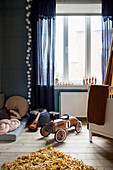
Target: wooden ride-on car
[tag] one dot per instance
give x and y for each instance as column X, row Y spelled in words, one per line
column 59, row 126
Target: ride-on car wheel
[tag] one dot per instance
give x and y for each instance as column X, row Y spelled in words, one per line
column 78, row 126
column 44, row 131
column 60, row 135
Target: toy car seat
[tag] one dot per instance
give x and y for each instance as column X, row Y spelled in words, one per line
column 65, row 116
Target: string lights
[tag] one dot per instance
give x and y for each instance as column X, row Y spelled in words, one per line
column 28, row 50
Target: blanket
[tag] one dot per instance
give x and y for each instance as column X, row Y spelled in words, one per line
column 97, row 104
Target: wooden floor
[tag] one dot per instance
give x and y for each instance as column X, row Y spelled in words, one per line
column 98, row 154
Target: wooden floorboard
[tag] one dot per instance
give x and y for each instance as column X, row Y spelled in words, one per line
column 99, row 153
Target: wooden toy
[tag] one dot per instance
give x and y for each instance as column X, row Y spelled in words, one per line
column 59, row 126
column 34, row 125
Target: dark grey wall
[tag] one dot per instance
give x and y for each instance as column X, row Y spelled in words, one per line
column 13, row 47
column 1, row 28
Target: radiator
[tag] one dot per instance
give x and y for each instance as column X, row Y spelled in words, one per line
column 73, row 103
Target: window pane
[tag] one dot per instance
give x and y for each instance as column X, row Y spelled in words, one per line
column 59, row 48
column 96, row 48
column 71, row 53
column 76, row 47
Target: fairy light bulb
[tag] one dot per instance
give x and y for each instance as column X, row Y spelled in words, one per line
column 27, row 8
column 27, row 58
column 29, row 65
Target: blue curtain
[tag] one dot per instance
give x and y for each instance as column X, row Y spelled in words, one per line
column 107, row 16
column 43, row 40
column 106, row 43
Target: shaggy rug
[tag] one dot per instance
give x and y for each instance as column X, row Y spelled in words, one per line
column 48, row 158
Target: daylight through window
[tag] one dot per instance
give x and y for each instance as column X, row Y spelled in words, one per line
column 78, row 48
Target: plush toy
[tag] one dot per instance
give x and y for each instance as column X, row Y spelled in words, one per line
column 4, row 126
column 15, row 123
column 8, row 125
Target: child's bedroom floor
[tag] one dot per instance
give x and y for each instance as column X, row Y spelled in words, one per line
column 99, row 153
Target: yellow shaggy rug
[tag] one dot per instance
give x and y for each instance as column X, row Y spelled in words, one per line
column 48, row 158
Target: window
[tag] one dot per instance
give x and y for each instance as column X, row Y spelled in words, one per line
column 78, row 48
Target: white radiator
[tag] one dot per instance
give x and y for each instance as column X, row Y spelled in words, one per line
column 73, row 103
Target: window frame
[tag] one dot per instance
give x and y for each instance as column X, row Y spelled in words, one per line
column 85, row 10
column 87, row 48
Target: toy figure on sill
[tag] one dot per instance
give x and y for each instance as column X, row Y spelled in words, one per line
column 56, row 81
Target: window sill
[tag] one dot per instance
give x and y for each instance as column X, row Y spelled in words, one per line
column 61, row 87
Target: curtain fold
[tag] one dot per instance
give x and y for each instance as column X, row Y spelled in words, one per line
column 107, row 17
column 109, row 74
column 43, row 40
column 106, row 43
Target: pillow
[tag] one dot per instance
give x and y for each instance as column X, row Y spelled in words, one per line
column 4, row 113
column 14, row 114
column 17, row 102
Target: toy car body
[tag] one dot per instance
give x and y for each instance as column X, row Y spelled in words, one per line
column 59, row 126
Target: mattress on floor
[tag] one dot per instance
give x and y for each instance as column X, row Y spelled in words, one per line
column 12, row 136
